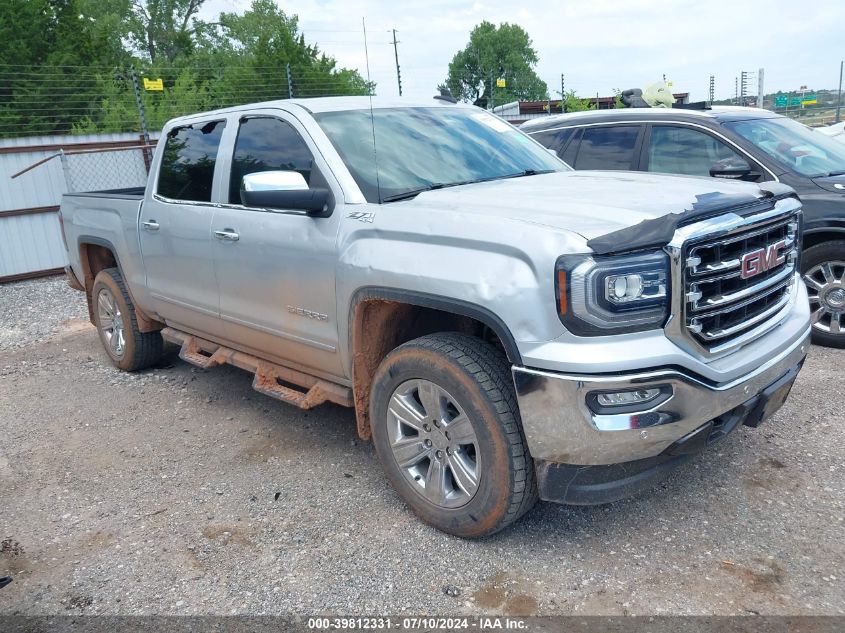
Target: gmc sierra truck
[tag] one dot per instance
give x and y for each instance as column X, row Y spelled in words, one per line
column 504, row 328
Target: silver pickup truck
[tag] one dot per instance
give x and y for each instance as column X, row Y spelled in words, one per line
column 503, row 327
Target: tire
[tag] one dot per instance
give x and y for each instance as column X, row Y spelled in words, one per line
column 476, row 451
column 823, row 272
column 114, row 316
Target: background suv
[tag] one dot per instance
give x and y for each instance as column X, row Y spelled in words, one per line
column 727, row 142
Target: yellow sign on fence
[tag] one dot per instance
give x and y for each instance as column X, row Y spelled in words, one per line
column 153, row 84
column 500, row 83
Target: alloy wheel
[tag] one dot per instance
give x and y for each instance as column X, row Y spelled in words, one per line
column 111, row 322
column 434, row 443
column 826, row 289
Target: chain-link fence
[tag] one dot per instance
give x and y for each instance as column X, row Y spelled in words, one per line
column 99, row 170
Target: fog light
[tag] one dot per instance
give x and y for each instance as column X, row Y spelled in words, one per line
column 626, row 398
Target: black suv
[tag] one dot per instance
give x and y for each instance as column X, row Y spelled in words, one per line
column 727, row 142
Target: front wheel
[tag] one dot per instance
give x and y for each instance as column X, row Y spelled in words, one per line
column 824, row 274
column 447, row 432
column 114, row 315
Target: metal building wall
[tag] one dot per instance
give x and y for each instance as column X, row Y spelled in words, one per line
column 30, row 237
column 30, row 244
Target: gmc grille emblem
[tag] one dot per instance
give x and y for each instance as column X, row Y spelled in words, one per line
column 756, row 262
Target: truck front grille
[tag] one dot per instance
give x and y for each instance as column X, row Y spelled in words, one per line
column 738, row 282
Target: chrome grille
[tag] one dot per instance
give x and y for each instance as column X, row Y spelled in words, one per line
column 719, row 304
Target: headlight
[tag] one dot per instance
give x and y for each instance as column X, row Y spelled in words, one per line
column 612, row 295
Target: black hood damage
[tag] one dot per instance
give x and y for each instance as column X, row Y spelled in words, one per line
column 658, row 232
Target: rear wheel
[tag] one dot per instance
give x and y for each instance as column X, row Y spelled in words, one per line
column 114, row 315
column 824, row 274
column 447, row 432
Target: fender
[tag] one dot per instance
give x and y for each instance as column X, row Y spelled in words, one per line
column 446, row 304
column 146, row 323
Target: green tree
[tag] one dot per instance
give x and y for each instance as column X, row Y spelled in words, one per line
column 617, row 99
column 47, row 48
column 164, row 29
column 496, row 52
column 248, row 54
column 574, row 103
column 65, row 65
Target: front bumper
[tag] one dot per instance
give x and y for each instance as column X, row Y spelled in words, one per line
column 561, row 428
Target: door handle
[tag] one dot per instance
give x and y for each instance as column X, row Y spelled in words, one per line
column 227, row 234
column 150, row 225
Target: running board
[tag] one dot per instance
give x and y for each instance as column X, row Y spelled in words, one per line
column 269, row 377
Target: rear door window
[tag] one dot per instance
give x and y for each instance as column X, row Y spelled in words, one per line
column 188, row 160
column 608, row 147
column 676, row 149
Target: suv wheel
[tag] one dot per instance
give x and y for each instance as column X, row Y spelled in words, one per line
column 824, row 275
column 447, row 432
column 114, row 315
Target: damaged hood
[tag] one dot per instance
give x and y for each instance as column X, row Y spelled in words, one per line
column 594, row 203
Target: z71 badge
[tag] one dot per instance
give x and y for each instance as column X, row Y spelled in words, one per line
column 362, row 216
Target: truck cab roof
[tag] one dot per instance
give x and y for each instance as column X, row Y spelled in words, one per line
column 317, row 105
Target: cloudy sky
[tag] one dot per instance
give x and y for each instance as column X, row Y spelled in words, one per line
column 598, row 45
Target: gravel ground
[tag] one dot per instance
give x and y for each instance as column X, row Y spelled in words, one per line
column 182, row 491
column 31, row 311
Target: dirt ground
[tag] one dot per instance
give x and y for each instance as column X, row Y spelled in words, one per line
column 182, row 491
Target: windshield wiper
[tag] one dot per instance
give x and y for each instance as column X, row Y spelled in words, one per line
column 528, row 172
column 413, row 193
column 837, row 173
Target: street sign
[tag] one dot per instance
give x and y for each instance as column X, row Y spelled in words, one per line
column 500, row 83
column 794, row 101
column 153, row 84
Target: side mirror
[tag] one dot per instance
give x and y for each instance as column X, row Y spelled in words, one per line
column 284, row 190
column 734, row 168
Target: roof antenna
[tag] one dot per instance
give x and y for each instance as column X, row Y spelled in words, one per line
column 372, row 119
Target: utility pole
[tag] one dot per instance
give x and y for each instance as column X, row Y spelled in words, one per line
column 743, row 87
column 839, row 98
column 712, row 87
column 562, row 94
column 760, row 89
column 396, row 55
column 736, row 90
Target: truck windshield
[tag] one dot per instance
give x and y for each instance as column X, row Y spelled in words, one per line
column 795, row 146
column 417, row 149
